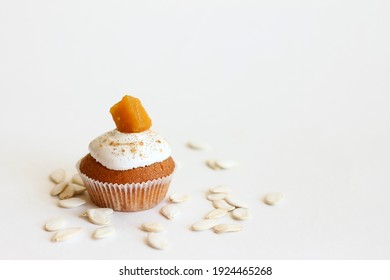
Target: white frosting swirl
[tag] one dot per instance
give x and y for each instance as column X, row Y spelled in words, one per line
column 122, row 151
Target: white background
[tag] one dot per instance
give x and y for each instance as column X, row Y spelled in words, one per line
column 296, row 91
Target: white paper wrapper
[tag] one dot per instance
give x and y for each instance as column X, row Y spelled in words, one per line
column 127, row 197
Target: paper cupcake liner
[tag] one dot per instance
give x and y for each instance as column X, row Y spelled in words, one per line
column 127, row 197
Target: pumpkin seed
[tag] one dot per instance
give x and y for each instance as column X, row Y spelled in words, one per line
column 107, row 211
column 99, row 216
column 66, row 234
column 215, row 196
column 68, row 192
column 71, row 202
column 177, row 198
column 219, row 189
column 104, row 232
column 212, row 164
column 58, row 188
column 216, row 213
column 157, row 241
column 198, row 145
column 273, row 198
column 235, row 202
column 54, row 224
column 222, row 228
column 222, row 204
column 240, row 214
column 226, row 163
column 204, row 224
column 78, row 189
column 152, row 227
column 170, row 211
column 58, row 176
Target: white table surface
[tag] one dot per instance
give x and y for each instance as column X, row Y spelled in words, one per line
column 297, row 91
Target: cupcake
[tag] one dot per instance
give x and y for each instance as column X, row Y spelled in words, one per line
column 129, row 168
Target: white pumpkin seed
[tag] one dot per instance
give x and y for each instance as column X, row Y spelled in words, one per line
column 226, row 163
column 58, row 176
column 216, row 213
column 273, row 198
column 107, row 211
column 152, row 227
column 54, row 224
column 240, row 214
column 204, row 224
column 222, row 228
column 212, row 164
column 219, row 189
column 170, row 211
column 78, row 189
column 215, row 196
column 71, row 202
column 99, row 216
column 76, row 179
column 235, row 202
column 177, row 198
column 58, row 188
column 68, row 192
column 222, row 204
column 104, row 232
column 66, row 234
column 157, row 241
column 198, row 145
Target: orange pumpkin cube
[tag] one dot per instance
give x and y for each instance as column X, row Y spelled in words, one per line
column 130, row 116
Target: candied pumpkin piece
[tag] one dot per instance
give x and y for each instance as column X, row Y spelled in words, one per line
column 130, row 116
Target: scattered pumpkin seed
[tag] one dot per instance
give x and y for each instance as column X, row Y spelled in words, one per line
column 198, row 145
column 104, row 232
column 71, row 202
column 58, row 188
column 240, row 214
column 216, row 213
column 55, row 224
column 170, row 211
column 58, row 176
column 157, row 241
column 204, row 224
column 152, row 227
column 273, row 198
column 177, row 198
column 222, row 204
column 66, row 234
column 222, row 228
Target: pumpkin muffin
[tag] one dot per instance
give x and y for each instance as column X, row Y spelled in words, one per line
column 129, row 168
